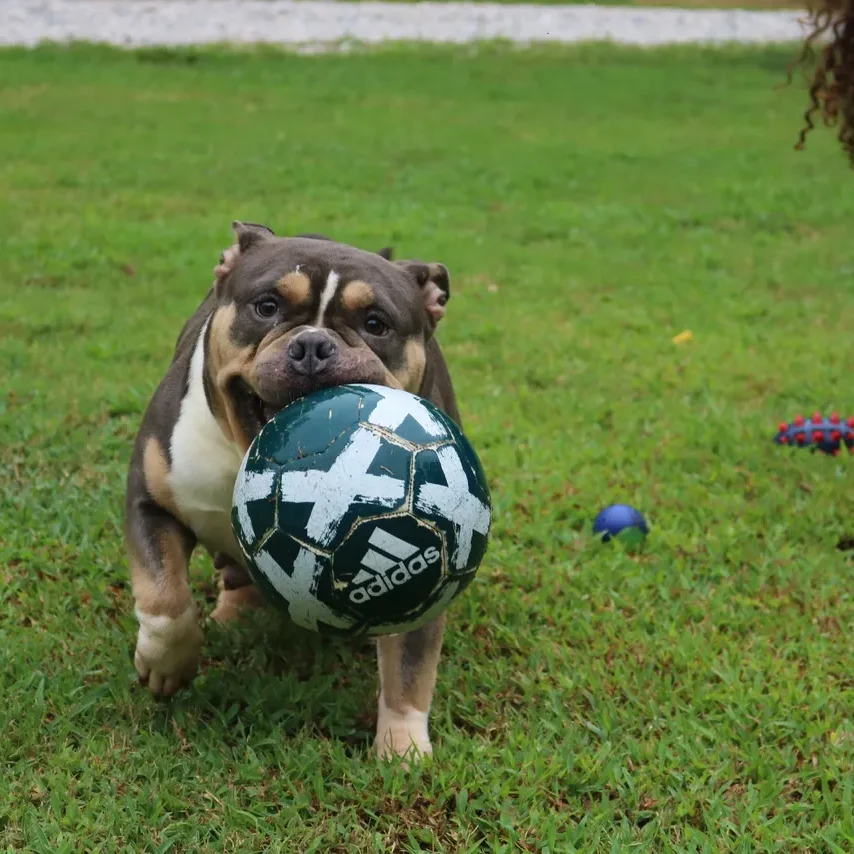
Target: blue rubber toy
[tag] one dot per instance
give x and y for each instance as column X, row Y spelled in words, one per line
column 818, row 433
column 620, row 519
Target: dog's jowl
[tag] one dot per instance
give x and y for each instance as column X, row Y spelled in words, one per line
column 285, row 316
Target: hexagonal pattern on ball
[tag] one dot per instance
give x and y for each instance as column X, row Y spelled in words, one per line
column 360, row 474
column 299, row 580
column 361, row 509
column 448, row 492
column 403, row 415
column 254, row 506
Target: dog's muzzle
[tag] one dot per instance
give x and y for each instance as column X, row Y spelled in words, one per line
column 311, row 353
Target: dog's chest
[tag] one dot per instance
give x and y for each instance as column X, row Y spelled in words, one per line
column 204, row 465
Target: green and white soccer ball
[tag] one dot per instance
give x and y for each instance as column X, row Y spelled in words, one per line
column 362, row 509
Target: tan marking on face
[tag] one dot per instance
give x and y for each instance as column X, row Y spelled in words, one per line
column 225, row 362
column 164, row 590
column 356, row 295
column 295, row 288
column 155, row 468
column 411, row 373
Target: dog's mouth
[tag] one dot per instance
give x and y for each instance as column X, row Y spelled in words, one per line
column 253, row 411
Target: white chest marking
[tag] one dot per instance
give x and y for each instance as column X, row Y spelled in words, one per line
column 326, row 295
column 204, row 464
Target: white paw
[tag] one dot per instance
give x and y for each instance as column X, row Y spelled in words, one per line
column 167, row 651
column 402, row 734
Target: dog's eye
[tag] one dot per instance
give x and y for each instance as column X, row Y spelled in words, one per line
column 375, row 326
column 266, row 308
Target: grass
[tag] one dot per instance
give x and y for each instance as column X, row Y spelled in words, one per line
column 591, row 204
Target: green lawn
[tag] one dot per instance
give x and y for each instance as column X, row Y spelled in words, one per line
column 590, row 204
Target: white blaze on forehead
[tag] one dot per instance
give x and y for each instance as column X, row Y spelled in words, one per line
column 326, row 295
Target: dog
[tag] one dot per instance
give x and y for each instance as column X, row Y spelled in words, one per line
column 285, row 316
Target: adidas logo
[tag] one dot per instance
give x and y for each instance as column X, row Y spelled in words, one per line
column 388, row 564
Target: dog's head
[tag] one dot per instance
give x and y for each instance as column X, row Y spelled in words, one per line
column 293, row 315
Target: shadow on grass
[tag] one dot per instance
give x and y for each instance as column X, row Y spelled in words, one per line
column 268, row 676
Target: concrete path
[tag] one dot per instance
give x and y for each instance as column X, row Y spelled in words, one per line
column 325, row 22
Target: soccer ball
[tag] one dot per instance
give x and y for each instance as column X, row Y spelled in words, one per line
column 361, row 509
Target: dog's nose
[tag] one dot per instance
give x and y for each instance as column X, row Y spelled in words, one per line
column 311, row 352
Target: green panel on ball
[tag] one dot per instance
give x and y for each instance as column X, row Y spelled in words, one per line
column 284, row 552
column 448, row 492
column 310, row 425
column 253, row 512
column 409, row 418
column 391, row 460
column 360, row 474
column 388, row 570
column 362, row 509
column 297, row 580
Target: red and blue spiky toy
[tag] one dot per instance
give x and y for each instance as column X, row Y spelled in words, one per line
column 818, row 434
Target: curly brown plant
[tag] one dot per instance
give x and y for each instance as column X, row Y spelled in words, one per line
column 828, row 50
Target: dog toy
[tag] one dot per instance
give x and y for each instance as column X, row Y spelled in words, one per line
column 621, row 521
column 361, row 509
column 818, row 434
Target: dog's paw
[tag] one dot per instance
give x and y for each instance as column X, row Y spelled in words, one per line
column 402, row 734
column 167, row 651
column 234, row 604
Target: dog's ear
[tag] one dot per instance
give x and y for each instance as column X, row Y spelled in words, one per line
column 386, row 252
column 435, row 284
column 250, row 233
column 247, row 234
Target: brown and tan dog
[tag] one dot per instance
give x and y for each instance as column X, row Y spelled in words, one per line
column 284, row 317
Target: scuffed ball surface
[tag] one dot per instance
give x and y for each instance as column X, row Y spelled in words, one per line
column 362, row 509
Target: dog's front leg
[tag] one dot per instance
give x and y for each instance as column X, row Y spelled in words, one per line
column 237, row 593
column 169, row 640
column 407, row 665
